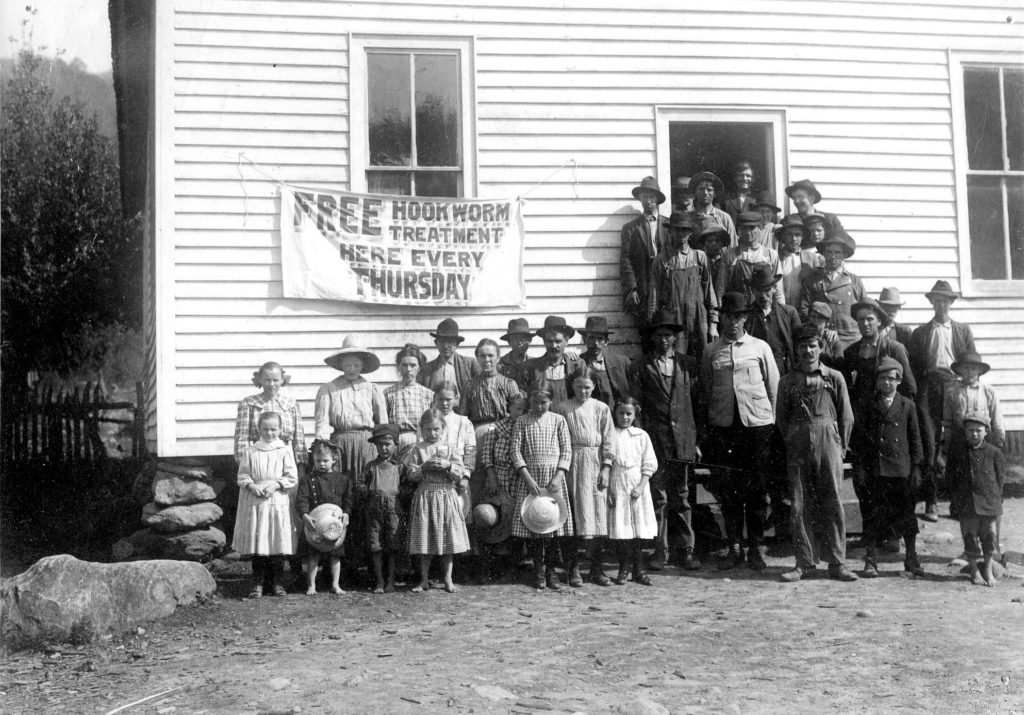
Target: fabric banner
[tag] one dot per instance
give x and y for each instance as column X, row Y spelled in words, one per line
column 401, row 250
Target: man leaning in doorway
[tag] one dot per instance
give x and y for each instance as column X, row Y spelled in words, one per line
column 643, row 239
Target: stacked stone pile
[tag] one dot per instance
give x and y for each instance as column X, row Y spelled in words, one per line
column 182, row 519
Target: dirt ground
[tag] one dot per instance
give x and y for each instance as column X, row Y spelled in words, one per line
column 694, row 642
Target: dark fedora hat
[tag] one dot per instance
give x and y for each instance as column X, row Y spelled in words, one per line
column 794, row 221
column 808, row 186
column 663, row 319
column 765, row 198
column 384, row 430
column 517, row 326
column 841, row 238
column 706, row 176
column 763, row 276
column 556, row 323
column 596, row 325
column 680, row 220
column 748, row 218
column 868, row 302
column 969, row 357
column 890, row 296
column 649, row 183
column 942, row 289
column 733, row 302
column 448, row 328
column 815, row 218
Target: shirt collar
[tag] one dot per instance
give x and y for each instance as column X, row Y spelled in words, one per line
column 948, row 324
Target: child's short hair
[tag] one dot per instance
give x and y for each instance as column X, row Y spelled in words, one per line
column 447, row 386
column 411, row 350
column 628, row 400
column 487, row 341
column 541, row 387
column 430, row 416
column 322, row 446
column 269, row 415
column 285, row 377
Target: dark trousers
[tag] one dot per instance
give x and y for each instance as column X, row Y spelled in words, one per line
column 887, row 505
column 929, row 413
column 745, row 455
column 673, row 491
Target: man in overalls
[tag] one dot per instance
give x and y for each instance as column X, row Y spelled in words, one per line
column 815, row 418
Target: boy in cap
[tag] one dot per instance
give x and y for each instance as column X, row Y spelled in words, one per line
column 740, row 261
column 448, row 366
column 815, row 419
column 977, row 472
column 513, row 363
column 820, row 315
column 381, row 481
column 643, row 239
column 888, row 457
column 933, row 349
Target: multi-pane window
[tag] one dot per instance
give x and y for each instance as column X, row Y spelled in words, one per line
column 415, row 115
column 994, row 123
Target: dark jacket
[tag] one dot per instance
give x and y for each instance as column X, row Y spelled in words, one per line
column 465, row 370
column 513, row 370
column 616, row 369
column 921, row 338
column 734, row 207
column 862, row 387
column 976, row 479
column 573, row 369
column 780, row 327
column 324, row 488
column 635, row 261
column 667, row 410
column 900, row 333
column 887, row 442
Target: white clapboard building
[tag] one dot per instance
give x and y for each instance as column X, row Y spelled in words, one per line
column 908, row 115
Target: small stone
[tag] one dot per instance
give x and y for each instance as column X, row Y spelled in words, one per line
column 726, row 580
column 643, row 706
column 864, row 614
column 170, row 489
column 279, row 683
column 493, row 692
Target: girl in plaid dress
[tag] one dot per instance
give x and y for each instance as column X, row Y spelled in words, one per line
column 437, row 526
column 541, row 455
column 495, row 459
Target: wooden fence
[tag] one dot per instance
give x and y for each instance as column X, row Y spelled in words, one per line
column 63, row 427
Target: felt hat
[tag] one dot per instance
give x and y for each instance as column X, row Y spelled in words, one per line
column 794, row 221
column 680, row 220
column 808, row 186
column 681, row 185
column 663, row 319
column 969, row 357
column 868, row 302
column 887, row 363
column 806, row 332
column 821, row 308
column 384, row 430
column 748, row 218
column 706, row 176
column 493, row 516
column 763, row 276
column 330, row 524
column 543, row 513
column 841, row 238
column 765, row 198
column 596, row 325
column 649, row 183
column 449, row 329
column 712, row 228
column 517, row 326
column 353, row 345
column 814, row 218
column 733, row 302
column 942, row 289
column 980, row 417
column 890, row 296
column 557, row 323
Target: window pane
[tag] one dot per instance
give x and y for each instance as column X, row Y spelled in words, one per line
column 437, row 183
column 398, row 183
column 437, row 110
column 1015, row 204
column 390, row 121
column 1013, row 96
column 985, row 205
column 984, row 128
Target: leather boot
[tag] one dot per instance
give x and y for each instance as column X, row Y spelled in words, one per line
column 537, row 551
column 597, row 574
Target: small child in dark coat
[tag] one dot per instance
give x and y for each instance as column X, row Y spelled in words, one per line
column 887, row 463
column 322, row 485
column 976, row 472
column 385, row 519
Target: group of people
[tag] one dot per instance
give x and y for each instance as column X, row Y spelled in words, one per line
column 764, row 362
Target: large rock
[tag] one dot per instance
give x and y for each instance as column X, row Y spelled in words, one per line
column 175, row 519
column 200, row 472
column 62, row 598
column 199, row 545
column 171, row 489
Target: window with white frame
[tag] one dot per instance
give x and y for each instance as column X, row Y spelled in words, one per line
column 413, row 98
column 993, row 134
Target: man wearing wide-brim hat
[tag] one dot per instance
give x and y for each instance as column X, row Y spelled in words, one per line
column 740, row 381
column 555, row 367
column 835, row 285
column 705, row 186
column 643, row 238
column 933, row 349
column 448, row 366
column 741, row 260
column 805, row 196
column 891, row 303
column 611, row 381
column 664, row 380
column 513, row 363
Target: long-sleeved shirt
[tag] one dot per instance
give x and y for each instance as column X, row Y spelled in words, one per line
column 342, row 406
column 488, row 398
column 740, row 376
column 247, row 423
column 406, row 404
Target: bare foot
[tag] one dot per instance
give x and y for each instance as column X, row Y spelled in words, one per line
column 450, row 587
column 977, row 579
column 311, row 591
column 378, row 589
column 989, row 576
column 390, row 588
column 337, row 590
column 421, row 587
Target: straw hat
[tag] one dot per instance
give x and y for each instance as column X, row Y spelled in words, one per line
column 330, row 524
column 492, row 517
column 543, row 513
column 353, row 345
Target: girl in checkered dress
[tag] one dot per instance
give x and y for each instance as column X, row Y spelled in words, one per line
column 437, row 526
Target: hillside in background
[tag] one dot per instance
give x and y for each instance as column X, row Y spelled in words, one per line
column 95, row 91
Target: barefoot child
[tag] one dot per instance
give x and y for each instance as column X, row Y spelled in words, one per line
column 323, row 485
column 437, row 526
column 631, row 515
column 263, row 523
column 384, row 516
column 976, row 472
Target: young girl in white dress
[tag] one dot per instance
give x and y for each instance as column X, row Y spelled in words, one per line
column 263, row 524
column 631, row 514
